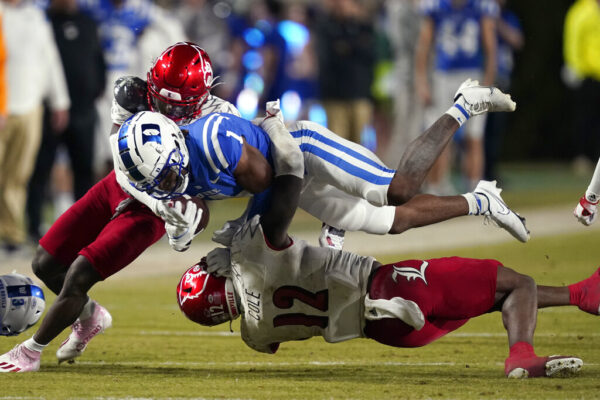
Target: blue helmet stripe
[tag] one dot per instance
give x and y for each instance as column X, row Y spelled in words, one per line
column 124, row 153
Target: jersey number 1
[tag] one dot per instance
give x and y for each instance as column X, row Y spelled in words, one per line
column 284, row 298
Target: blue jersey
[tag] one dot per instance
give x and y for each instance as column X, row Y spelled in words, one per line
column 120, row 28
column 458, row 31
column 215, row 146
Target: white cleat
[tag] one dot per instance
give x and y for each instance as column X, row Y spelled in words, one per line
column 499, row 212
column 476, row 99
column 20, row 359
column 83, row 332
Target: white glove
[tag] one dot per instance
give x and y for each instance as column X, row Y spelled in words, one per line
column 166, row 209
column 218, row 262
column 472, row 99
column 224, row 235
column 585, row 211
column 180, row 236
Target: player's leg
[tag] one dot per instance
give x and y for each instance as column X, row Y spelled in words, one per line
column 333, row 160
column 584, row 294
column 122, row 240
column 73, row 230
column 517, row 299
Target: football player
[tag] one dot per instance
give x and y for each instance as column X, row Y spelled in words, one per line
column 346, row 185
column 285, row 289
column 85, row 245
column 586, row 210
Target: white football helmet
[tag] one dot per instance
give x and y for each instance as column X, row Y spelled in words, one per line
column 21, row 304
column 149, row 145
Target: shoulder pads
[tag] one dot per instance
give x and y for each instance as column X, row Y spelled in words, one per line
column 131, row 93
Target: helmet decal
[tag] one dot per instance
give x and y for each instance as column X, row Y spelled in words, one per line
column 190, row 279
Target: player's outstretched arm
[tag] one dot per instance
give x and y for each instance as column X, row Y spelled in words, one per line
column 285, row 196
column 586, row 210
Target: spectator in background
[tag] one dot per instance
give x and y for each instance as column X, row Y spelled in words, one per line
column 3, row 85
column 34, row 73
column 205, row 23
column 462, row 33
column 76, row 36
column 510, row 39
column 345, row 43
column 132, row 34
column 403, row 26
column 582, row 74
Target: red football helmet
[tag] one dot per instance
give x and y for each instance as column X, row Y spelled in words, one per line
column 205, row 298
column 179, row 82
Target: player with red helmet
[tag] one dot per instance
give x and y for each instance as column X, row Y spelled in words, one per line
column 285, row 289
column 106, row 229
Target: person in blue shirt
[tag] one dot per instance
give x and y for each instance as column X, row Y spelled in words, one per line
column 463, row 38
column 345, row 185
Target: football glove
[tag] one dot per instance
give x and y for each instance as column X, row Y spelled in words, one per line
column 224, row 235
column 218, row 262
column 586, row 211
column 181, row 235
column 171, row 214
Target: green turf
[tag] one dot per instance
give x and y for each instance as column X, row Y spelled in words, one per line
column 154, row 352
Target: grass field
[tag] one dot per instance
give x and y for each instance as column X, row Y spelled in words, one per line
column 154, row 352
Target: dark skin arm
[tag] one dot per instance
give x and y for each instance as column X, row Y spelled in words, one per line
column 253, row 172
column 284, row 202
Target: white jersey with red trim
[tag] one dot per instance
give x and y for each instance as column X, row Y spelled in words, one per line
column 297, row 292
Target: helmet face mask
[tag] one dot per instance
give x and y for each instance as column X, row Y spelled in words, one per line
column 21, row 304
column 205, row 298
column 151, row 151
column 179, row 82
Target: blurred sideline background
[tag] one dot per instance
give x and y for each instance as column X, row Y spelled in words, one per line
column 315, row 55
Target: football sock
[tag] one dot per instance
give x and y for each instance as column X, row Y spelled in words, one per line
column 88, row 310
column 31, row 344
column 478, row 204
column 521, row 350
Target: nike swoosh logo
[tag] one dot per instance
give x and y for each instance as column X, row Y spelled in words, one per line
column 504, row 210
column 215, row 181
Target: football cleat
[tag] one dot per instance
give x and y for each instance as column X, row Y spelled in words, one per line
column 476, row 99
column 20, row 359
column 535, row 367
column 332, row 237
column 586, row 294
column 83, row 332
column 499, row 212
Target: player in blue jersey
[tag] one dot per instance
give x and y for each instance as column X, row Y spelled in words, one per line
column 462, row 34
column 345, row 184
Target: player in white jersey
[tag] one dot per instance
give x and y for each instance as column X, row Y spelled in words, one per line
column 285, row 289
column 586, row 210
